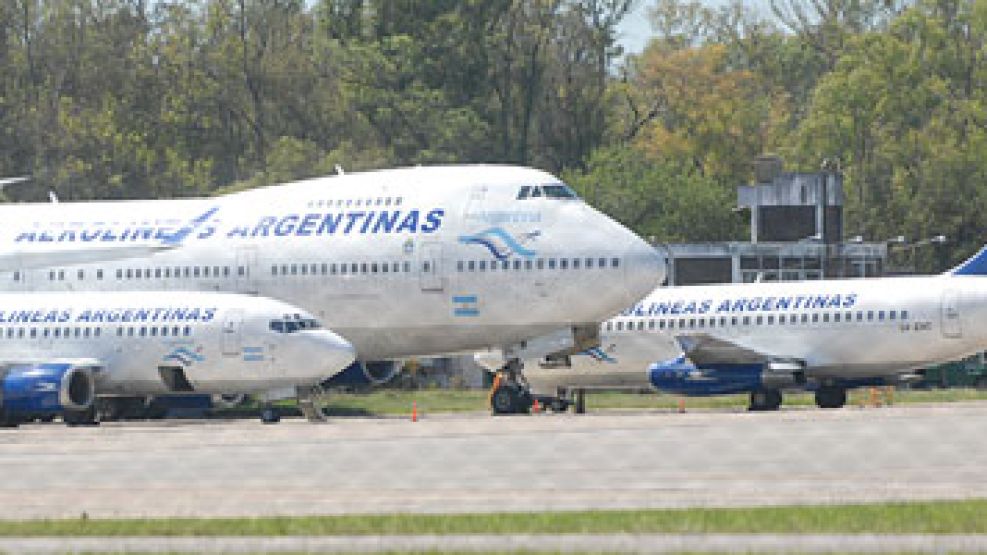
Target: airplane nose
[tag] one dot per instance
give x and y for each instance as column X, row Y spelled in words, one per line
column 645, row 269
column 329, row 353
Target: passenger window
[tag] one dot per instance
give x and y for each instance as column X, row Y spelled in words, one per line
column 294, row 269
column 482, row 266
column 904, row 314
column 815, row 317
column 143, row 332
column 385, row 266
column 81, row 275
column 363, row 267
column 771, row 320
column 99, row 274
column 304, row 270
column 471, row 265
column 880, row 315
column 407, row 265
column 524, row 192
column 551, row 263
column 892, row 315
column 805, row 318
column 325, row 268
column 274, row 270
column 187, row 331
column 517, row 264
column 870, row 315
column 758, row 320
column 529, row 264
column 836, row 316
column 825, row 317
column 747, row 320
column 620, row 326
column 354, row 268
column 615, row 262
column 564, row 264
column 196, row 272
column 540, row 264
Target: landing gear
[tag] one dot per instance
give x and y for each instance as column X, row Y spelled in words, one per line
column 85, row 417
column 830, row 397
column 765, row 400
column 8, row 420
column 270, row 415
column 510, row 394
column 580, row 401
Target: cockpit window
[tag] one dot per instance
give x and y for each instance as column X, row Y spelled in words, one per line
column 292, row 323
column 559, row 191
column 553, row 191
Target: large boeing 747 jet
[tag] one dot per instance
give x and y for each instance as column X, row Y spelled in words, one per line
column 827, row 336
column 404, row 262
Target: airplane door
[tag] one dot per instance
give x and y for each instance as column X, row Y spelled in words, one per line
column 232, row 339
column 951, row 314
column 430, row 267
column 246, row 265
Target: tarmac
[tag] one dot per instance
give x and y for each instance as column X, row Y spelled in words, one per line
column 471, row 463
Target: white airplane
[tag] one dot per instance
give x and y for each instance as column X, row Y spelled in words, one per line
column 405, row 262
column 826, row 336
column 59, row 350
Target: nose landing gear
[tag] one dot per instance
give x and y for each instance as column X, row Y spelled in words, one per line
column 510, row 393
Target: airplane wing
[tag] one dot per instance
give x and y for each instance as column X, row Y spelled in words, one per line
column 38, row 256
column 27, row 259
column 703, row 349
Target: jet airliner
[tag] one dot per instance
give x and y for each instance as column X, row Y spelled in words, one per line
column 827, row 336
column 399, row 263
column 59, row 350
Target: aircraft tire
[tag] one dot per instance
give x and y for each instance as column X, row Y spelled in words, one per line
column 830, row 397
column 81, row 417
column 270, row 415
column 765, row 400
column 505, row 399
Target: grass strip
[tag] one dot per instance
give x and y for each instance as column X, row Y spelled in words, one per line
column 941, row 517
column 394, row 402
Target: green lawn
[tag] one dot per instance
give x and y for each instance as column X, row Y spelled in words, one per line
column 394, row 402
column 961, row 517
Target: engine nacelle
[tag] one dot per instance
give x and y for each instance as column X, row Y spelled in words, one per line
column 680, row 376
column 362, row 374
column 37, row 390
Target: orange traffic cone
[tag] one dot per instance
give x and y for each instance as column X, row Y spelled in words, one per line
column 535, row 407
column 414, row 411
column 681, row 404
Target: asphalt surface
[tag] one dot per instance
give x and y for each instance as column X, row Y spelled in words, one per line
column 472, row 463
column 564, row 543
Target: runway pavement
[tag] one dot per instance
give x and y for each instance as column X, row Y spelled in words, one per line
column 480, row 463
column 556, row 543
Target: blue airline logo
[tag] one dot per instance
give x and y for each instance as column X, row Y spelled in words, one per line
column 108, row 315
column 500, row 243
column 185, row 356
column 742, row 304
column 205, row 226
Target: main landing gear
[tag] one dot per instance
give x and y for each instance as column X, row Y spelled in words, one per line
column 765, row 400
column 510, row 393
column 830, row 397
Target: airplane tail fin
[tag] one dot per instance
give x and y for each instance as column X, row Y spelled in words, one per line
column 976, row 265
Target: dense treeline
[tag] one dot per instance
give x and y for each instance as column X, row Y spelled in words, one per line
column 141, row 98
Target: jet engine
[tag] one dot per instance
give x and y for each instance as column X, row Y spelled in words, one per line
column 44, row 390
column 362, row 374
column 680, row 376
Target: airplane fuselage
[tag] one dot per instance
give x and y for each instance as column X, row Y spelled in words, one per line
column 845, row 329
column 400, row 262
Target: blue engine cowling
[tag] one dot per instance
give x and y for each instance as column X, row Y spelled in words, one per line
column 39, row 390
column 363, row 374
column 682, row 377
